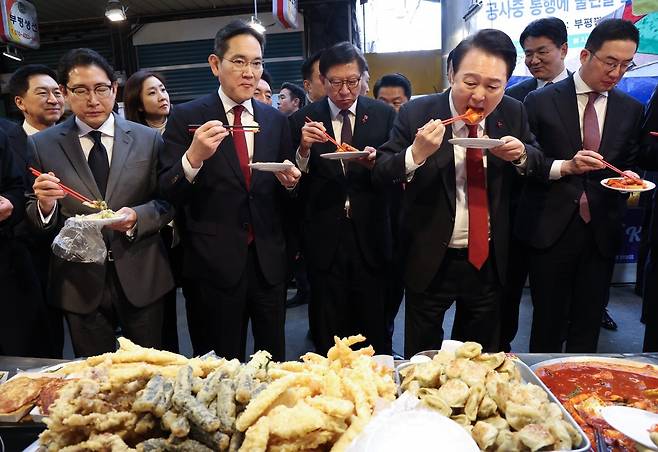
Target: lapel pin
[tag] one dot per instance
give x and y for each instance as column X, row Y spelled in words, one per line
column 499, row 124
column 364, row 119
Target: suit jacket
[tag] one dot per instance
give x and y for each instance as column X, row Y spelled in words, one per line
column 522, row 89
column 325, row 187
column 11, row 186
column 141, row 264
column 648, row 158
column 217, row 208
column 428, row 207
column 546, row 209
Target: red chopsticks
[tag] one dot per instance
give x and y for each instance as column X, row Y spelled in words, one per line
column 191, row 128
column 655, row 134
column 330, row 138
column 68, row 190
column 620, row 172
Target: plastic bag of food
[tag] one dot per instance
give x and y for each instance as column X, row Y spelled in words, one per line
column 80, row 241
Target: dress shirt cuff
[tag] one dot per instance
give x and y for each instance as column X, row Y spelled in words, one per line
column 409, row 165
column 132, row 232
column 302, row 162
column 556, row 170
column 46, row 220
column 522, row 164
column 190, row 173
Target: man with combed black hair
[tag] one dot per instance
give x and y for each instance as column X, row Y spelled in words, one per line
column 233, row 219
column 573, row 225
column 393, row 89
column 454, row 229
column 103, row 157
column 344, row 217
column 291, row 98
column 311, row 75
column 544, row 42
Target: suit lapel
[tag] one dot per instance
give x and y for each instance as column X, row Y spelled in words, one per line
column 70, row 144
column 120, row 152
column 566, row 105
column 613, row 116
column 495, row 127
column 444, row 159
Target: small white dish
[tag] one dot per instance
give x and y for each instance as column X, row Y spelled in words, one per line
column 344, row 155
column 477, row 143
column 649, row 186
column 632, row 422
column 93, row 219
column 272, row 167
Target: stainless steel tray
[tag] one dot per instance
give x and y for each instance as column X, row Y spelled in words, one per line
column 528, row 376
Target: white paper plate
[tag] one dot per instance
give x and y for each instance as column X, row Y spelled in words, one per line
column 344, row 155
column 99, row 221
column 272, row 167
column 632, row 422
column 650, row 186
column 478, row 143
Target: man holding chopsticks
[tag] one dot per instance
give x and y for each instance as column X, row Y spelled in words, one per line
column 573, row 224
column 454, row 230
column 232, row 222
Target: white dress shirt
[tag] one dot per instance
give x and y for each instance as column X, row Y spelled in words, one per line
column 561, row 76
column 29, row 129
column 600, row 105
column 86, row 142
column 337, row 126
column 247, row 118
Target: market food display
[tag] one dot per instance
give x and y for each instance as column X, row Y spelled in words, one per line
column 584, row 387
column 485, row 394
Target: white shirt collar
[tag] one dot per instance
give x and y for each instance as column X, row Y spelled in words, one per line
column 230, row 103
column 582, row 87
column 561, row 76
column 335, row 111
column 458, row 125
column 28, row 128
column 107, row 128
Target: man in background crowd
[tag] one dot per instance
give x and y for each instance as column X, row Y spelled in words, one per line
column 311, row 75
column 263, row 90
column 394, row 89
column 291, row 98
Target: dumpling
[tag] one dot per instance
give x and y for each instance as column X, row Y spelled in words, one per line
column 560, row 434
column 455, row 367
column 431, row 398
column 454, row 393
column 468, row 350
column 428, row 374
column 491, row 360
column 484, row 434
column 487, row 407
column 498, row 422
column 535, row 436
column 475, row 395
column 518, row 416
column 461, row 419
column 509, row 368
column 507, row 441
column 473, row 373
column 498, row 388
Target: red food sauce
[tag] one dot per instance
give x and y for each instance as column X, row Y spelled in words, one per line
column 614, row 384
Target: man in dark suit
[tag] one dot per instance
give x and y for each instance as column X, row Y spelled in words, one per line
column 103, row 156
column 455, row 212
column 573, row 224
column 345, row 220
column 37, row 95
column 234, row 250
column 544, row 42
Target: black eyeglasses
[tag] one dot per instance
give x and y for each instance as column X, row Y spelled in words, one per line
column 350, row 82
column 83, row 91
column 612, row 66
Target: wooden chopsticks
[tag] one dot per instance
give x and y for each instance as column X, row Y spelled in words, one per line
column 70, row 191
column 620, row 172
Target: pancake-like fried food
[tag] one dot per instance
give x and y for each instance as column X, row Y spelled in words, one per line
column 49, row 394
column 19, row 392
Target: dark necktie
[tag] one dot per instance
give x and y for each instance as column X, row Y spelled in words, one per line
column 241, row 144
column 98, row 162
column 591, row 142
column 243, row 156
column 346, row 130
column 478, row 210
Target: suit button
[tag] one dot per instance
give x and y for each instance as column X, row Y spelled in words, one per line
column 251, row 197
column 575, row 201
column 245, row 226
column 444, row 243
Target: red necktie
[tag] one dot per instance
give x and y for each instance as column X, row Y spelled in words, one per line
column 243, row 157
column 476, row 193
column 241, row 144
column 591, row 142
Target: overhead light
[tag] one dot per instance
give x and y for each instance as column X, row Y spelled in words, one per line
column 115, row 11
column 257, row 25
column 11, row 52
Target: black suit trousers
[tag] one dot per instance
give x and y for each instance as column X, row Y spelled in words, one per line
column 569, row 286
column 477, row 293
column 218, row 317
column 650, row 301
column 94, row 333
column 517, row 273
column 350, row 297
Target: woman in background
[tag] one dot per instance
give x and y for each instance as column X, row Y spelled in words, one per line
column 146, row 101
